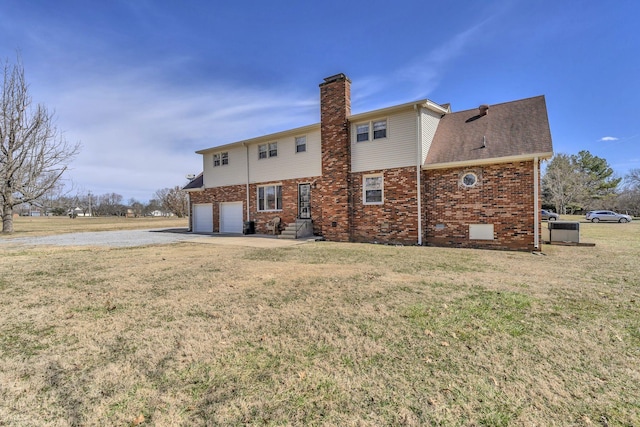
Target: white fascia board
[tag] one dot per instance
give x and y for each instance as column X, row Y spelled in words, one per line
column 493, row 161
column 265, row 138
column 424, row 103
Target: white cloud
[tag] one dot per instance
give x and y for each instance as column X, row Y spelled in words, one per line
column 608, row 138
column 140, row 135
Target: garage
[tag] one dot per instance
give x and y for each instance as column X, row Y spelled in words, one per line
column 231, row 217
column 203, row 218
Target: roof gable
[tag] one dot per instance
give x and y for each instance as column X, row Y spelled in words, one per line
column 516, row 129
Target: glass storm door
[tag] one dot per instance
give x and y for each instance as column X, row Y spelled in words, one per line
column 304, row 201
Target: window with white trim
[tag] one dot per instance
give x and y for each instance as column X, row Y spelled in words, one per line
column 379, row 129
column 221, row 159
column 273, row 149
column 376, row 129
column 267, row 150
column 362, row 132
column 269, row 198
column 373, row 189
column 301, row 144
column 262, row 151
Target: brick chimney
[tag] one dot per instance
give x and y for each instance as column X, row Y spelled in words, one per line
column 335, row 108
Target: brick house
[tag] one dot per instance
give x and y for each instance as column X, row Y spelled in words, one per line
column 414, row 174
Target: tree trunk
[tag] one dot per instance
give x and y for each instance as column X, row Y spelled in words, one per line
column 7, row 220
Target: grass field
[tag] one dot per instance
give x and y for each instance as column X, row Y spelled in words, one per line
column 321, row 334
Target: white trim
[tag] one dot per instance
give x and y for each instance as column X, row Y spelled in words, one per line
column 495, row 160
column 536, row 211
column 258, row 187
column 419, row 170
column 364, row 188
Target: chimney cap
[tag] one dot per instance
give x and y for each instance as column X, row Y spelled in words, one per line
column 335, row 78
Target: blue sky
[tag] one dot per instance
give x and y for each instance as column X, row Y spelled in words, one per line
column 143, row 84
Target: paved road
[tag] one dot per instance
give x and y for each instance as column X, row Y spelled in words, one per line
column 131, row 238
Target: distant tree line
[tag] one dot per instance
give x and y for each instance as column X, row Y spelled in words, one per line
column 583, row 182
column 165, row 201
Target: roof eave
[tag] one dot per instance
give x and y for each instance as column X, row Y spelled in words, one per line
column 424, row 103
column 490, row 161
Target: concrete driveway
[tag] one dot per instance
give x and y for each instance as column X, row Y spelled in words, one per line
column 132, row 238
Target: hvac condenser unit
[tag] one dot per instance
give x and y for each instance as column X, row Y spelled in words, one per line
column 564, row 231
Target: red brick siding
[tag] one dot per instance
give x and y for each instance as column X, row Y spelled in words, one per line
column 396, row 220
column 237, row 193
column 335, row 107
column 504, row 198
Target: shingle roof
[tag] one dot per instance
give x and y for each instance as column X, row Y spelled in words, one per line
column 196, row 183
column 512, row 129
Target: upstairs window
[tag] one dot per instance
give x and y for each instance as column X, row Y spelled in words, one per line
column 262, row 151
column 380, row 129
column 377, row 129
column 301, row 144
column 221, row 159
column 273, row 149
column 362, row 132
column 373, row 189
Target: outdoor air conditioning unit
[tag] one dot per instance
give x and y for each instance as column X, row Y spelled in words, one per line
column 563, row 231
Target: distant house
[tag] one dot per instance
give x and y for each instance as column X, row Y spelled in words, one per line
column 414, row 173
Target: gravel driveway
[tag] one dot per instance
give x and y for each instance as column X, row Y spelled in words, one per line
column 131, row 238
column 121, row 238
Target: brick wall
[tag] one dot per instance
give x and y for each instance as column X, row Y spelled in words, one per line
column 396, row 220
column 335, row 107
column 237, row 193
column 503, row 197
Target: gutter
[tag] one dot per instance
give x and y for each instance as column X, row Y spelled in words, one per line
column 247, row 185
column 418, row 171
column 536, row 211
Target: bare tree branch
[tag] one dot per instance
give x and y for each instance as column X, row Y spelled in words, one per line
column 33, row 153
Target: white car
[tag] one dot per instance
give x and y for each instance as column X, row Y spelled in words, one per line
column 597, row 216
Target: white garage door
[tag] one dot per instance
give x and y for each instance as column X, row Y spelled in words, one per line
column 203, row 218
column 231, row 217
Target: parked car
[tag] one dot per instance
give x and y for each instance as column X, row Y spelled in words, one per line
column 549, row 216
column 597, row 216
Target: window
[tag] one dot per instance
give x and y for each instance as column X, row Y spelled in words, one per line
column 262, row 151
column 372, row 189
column 221, row 159
column 469, row 179
column 273, row 149
column 362, row 132
column 270, row 198
column 267, row 150
column 301, row 144
column 380, row 129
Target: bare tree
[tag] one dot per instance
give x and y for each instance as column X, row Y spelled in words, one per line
column 174, row 200
column 33, row 153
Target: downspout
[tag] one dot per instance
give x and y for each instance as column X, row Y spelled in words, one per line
column 247, row 185
column 536, row 209
column 418, row 171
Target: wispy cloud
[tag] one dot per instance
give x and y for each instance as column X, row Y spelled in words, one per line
column 143, row 134
column 608, row 138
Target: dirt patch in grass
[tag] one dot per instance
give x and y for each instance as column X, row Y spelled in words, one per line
column 322, row 334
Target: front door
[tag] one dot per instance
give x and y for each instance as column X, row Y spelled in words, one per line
column 304, row 201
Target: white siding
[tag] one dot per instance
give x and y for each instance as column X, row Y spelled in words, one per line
column 429, row 124
column 398, row 149
column 232, row 174
column 288, row 164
